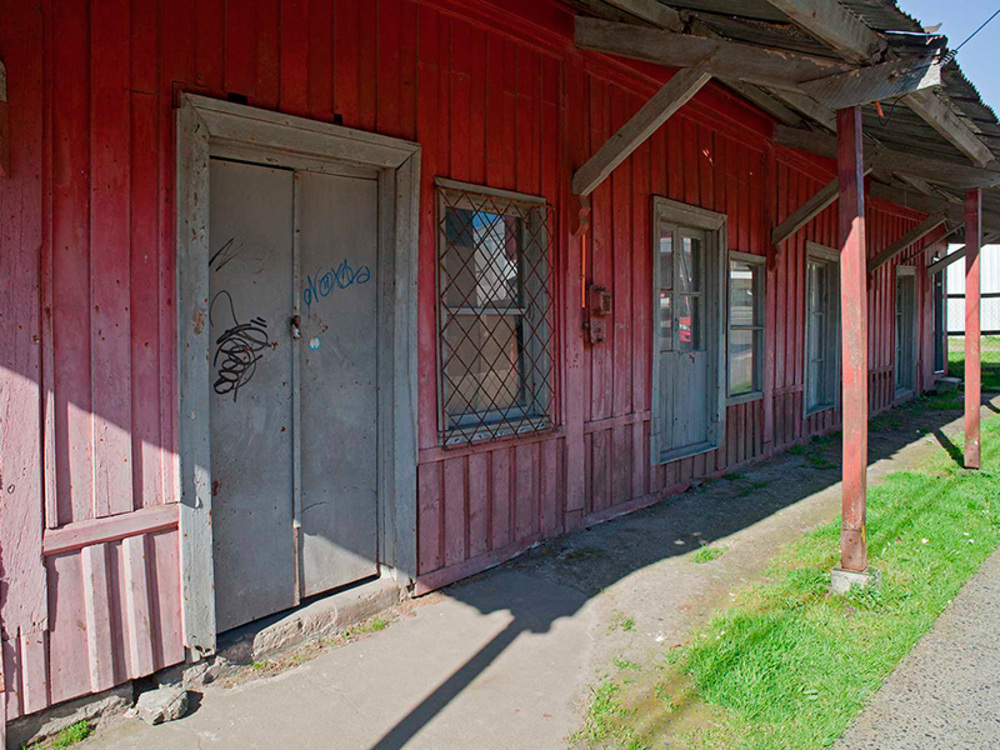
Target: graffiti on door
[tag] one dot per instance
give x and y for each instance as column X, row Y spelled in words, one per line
column 237, row 349
column 322, row 283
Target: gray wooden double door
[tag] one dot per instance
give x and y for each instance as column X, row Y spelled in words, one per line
column 294, row 411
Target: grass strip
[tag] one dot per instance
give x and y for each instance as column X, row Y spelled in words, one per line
column 789, row 665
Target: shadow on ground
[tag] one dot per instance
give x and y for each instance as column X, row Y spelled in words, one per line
column 567, row 572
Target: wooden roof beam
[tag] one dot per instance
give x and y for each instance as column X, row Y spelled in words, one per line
column 835, row 26
column 673, row 95
column 932, row 170
column 939, row 116
column 651, row 11
column 876, row 82
column 832, row 83
column 825, row 197
column 743, row 62
column 916, row 234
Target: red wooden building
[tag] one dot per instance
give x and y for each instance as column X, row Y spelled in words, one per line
column 297, row 293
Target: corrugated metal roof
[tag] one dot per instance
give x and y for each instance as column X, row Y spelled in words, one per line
column 760, row 23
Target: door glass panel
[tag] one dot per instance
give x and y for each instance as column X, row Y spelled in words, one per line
column 689, row 265
column 689, row 323
column 666, row 321
column 666, row 258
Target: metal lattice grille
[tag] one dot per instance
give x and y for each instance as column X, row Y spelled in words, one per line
column 495, row 309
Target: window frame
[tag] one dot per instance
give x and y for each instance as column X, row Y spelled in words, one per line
column 759, row 262
column 939, row 333
column 824, row 254
column 493, row 425
column 714, row 225
column 910, row 272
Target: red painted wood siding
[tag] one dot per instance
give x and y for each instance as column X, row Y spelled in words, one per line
column 496, row 95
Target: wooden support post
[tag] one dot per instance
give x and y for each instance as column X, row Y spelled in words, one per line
column 854, row 316
column 973, row 375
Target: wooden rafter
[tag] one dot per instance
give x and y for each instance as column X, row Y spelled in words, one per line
column 939, row 116
column 930, row 169
column 672, row 96
column 916, row 234
column 835, row 26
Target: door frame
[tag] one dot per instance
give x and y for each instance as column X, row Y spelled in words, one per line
column 909, row 272
column 714, row 225
column 208, row 127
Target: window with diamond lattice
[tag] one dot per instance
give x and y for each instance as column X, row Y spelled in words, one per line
column 495, row 308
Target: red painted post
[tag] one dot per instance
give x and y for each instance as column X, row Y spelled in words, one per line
column 973, row 374
column 854, row 326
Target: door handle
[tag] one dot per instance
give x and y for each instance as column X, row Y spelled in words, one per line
column 296, row 323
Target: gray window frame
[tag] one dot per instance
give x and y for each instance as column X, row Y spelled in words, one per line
column 713, row 224
column 815, row 251
column 473, row 429
column 898, row 392
column 759, row 263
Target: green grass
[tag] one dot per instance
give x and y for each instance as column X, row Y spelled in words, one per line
column 789, row 665
column 989, row 357
column 707, row 554
column 67, row 737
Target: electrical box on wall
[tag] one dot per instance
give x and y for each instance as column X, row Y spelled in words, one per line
column 598, row 310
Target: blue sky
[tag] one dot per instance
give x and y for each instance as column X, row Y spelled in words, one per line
column 958, row 19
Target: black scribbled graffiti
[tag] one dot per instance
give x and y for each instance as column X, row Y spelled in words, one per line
column 225, row 254
column 237, row 350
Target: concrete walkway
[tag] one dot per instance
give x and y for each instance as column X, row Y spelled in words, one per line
column 508, row 659
column 946, row 693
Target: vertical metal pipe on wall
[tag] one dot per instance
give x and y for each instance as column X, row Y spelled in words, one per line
column 973, row 374
column 854, row 332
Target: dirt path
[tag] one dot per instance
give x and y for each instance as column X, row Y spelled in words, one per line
column 507, row 659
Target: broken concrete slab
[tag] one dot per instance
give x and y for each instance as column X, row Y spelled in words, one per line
column 162, row 705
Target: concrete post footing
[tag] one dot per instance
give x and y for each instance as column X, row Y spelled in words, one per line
column 842, row 581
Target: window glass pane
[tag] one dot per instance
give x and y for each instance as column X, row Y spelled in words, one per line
column 742, row 369
column 481, row 364
column 743, row 304
column 689, row 323
column 666, row 257
column 821, row 329
column 480, row 261
column 689, row 265
column 666, row 321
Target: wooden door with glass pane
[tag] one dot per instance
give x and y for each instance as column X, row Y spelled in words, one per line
column 686, row 346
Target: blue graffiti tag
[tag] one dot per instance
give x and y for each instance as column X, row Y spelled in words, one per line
column 321, row 284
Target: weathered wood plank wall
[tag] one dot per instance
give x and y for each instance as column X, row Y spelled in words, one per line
column 496, row 95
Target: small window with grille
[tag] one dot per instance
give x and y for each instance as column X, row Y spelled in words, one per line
column 494, row 314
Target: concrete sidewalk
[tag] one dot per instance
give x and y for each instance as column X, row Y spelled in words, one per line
column 508, row 658
column 946, row 693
